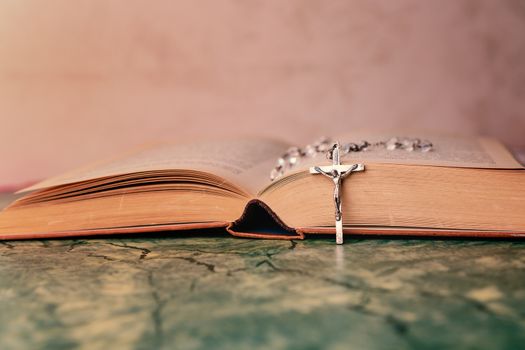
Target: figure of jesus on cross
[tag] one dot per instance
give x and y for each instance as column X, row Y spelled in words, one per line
column 337, row 172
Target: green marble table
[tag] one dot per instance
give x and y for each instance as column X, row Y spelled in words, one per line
column 212, row 291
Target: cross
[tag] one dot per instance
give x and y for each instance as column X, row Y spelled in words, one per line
column 337, row 172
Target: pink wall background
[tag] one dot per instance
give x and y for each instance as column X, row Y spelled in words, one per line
column 81, row 79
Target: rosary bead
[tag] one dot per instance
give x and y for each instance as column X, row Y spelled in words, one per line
column 325, row 145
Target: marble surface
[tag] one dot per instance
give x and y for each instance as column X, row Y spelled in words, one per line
column 214, row 291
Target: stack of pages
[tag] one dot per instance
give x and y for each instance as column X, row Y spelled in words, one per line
column 464, row 187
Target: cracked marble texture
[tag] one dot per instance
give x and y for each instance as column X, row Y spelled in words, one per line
column 213, row 291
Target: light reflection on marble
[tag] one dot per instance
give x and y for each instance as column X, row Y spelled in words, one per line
column 339, row 254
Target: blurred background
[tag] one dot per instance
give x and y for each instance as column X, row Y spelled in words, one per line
column 81, row 79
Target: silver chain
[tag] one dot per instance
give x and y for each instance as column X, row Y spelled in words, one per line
column 293, row 156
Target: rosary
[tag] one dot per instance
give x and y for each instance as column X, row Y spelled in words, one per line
column 337, row 171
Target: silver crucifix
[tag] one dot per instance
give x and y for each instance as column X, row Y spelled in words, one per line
column 337, row 172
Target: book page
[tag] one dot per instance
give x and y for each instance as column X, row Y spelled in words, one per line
column 237, row 161
column 452, row 151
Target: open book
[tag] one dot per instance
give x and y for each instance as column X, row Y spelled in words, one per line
column 463, row 187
